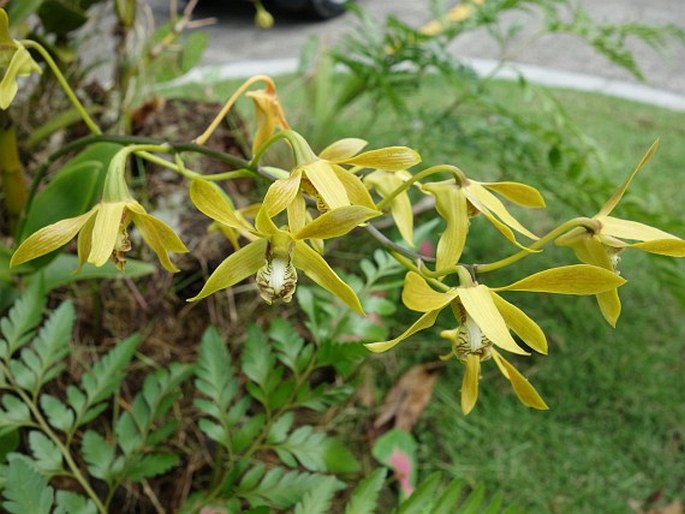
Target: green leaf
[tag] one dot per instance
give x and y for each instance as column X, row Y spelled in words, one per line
column 61, row 18
column 98, row 454
column 47, row 456
column 51, row 345
column 214, row 374
column 150, row 465
column 448, row 499
column 73, row 189
column 422, row 497
column 26, row 491
column 307, row 446
column 72, row 503
column 14, row 414
column 194, row 46
column 287, row 343
column 23, row 317
column 364, row 498
column 59, row 415
column 60, row 272
column 19, row 11
column 134, row 428
column 474, row 502
column 243, row 437
column 257, row 360
column 280, row 428
column 338, row 458
column 102, row 381
column 319, row 499
column 282, row 489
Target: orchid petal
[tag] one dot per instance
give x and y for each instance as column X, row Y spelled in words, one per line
column 236, row 267
column 105, row 231
column 418, row 296
column 450, row 202
column 400, row 207
column 83, row 244
column 297, row 214
column 520, row 194
column 524, row 390
column 502, row 228
column 618, row 194
column 670, row 247
column 316, row 268
column 343, row 149
column 479, row 304
column 391, row 158
column 576, row 279
column 427, row 320
column 609, row 305
column 21, row 64
column 493, row 204
column 212, row 202
column 282, row 193
column 521, row 324
column 336, row 222
column 160, row 237
column 326, row 183
column 589, row 249
column 469, row 385
column 626, row 229
column 356, row 192
column 49, row 238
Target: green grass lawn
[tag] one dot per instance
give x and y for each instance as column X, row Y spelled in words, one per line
column 615, row 430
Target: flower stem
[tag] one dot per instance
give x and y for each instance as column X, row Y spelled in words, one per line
column 92, row 126
column 202, row 138
column 590, row 223
column 440, row 168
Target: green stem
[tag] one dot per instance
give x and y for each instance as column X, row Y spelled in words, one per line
column 589, row 223
column 92, row 126
column 45, row 428
column 453, row 170
column 418, row 269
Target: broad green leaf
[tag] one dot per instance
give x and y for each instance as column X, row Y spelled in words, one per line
column 364, row 498
column 73, row 190
column 59, row 415
column 338, row 458
column 26, row 491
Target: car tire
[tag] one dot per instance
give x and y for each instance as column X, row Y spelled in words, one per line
column 326, row 9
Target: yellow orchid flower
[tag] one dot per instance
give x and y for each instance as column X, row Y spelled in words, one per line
column 102, row 231
column 457, row 202
column 384, row 183
column 269, row 113
column 276, row 254
column 486, row 319
column 602, row 244
column 325, row 179
column 458, row 13
column 16, row 59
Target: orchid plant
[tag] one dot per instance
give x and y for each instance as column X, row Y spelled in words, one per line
column 327, row 196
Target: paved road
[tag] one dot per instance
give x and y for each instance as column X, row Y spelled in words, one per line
column 236, row 39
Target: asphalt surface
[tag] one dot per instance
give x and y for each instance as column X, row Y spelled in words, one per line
column 234, row 39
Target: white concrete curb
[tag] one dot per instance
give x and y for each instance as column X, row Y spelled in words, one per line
column 512, row 71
